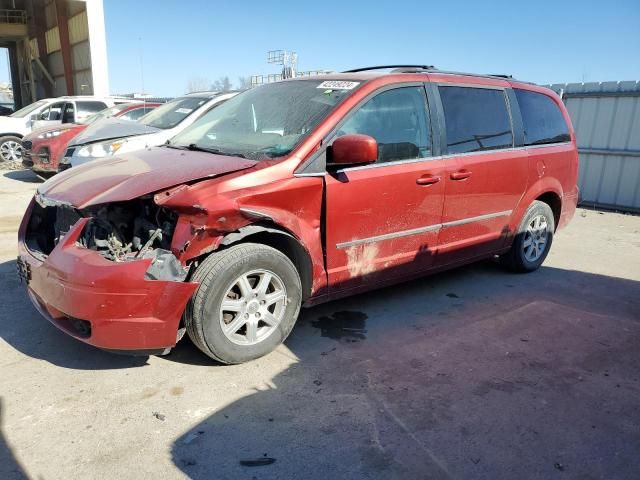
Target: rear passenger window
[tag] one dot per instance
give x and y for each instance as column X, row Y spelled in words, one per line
column 542, row 119
column 476, row 119
column 399, row 122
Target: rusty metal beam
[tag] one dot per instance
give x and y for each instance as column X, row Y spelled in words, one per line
column 65, row 44
column 40, row 29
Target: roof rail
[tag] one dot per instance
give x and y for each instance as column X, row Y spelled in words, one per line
column 397, row 68
column 485, row 75
column 431, row 68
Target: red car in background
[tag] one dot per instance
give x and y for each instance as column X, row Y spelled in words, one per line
column 45, row 147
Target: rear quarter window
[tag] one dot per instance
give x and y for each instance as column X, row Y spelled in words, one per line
column 476, row 119
column 542, row 119
column 86, row 108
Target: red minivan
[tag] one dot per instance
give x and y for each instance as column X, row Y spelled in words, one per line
column 295, row 193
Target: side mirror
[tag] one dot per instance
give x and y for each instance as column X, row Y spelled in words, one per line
column 353, row 149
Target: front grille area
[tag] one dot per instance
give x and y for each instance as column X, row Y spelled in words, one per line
column 44, row 154
column 26, row 150
column 47, row 226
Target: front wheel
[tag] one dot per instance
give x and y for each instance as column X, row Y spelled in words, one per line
column 10, row 149
column 533, row 239
column 246, row 304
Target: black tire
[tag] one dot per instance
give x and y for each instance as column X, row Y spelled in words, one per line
column 515, row 259
column 10, row 138
column 215, row 275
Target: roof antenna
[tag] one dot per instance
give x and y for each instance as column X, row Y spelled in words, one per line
column 144, row 96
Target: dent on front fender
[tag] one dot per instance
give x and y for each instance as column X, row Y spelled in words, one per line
column 199, row 230
column 208, row 214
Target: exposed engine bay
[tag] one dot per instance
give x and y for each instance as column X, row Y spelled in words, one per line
column 125, row 230
column 133, row 230
column 120, row 232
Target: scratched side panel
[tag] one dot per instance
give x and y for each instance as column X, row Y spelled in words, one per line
column 383, row 201
column 497, row 182
column 211, row 209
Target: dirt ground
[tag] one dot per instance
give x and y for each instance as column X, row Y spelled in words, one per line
column 475, row 373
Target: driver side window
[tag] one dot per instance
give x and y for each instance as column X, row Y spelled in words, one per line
column 398, row 120
column 54, row 112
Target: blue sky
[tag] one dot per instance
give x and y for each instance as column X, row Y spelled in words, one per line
column 543, row 41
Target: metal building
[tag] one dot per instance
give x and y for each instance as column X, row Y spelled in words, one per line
column 56, row 47
column 606, row 117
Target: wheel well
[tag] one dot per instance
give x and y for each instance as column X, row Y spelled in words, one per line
column 11, row 135
column 554, row 201
column 288, row 245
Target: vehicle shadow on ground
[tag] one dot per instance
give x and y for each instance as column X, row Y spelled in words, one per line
column 25, row 175
column 474, row 373
column 10, row 468
column 22, row 327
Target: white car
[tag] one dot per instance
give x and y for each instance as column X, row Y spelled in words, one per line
column 47, row 112
column 103, row 139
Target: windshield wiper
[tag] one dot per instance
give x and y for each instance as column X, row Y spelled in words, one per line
column 195, row 147
column 177, row 147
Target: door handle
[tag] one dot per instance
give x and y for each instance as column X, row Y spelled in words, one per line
column 460, row 175
column 428, row 180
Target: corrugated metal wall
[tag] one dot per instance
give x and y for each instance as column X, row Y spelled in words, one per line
column 80, row 53
column 606, row 117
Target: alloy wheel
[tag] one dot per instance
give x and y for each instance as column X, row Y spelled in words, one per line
column 11, row 151
column 253, row 307
column 535, row 238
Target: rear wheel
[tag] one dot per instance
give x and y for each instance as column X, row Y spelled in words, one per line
column 533, row 239
column 246, row 305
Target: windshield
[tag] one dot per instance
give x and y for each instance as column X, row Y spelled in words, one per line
column 106, row 113
column 23, row 112
column 172, row 113
column 267, row 121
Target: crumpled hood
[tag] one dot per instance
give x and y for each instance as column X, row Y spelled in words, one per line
column 110, row 128
column 135, row 174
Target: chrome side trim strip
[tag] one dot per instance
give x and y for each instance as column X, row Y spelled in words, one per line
column 416, row 231
column 479, row 218
column 315, row 174
column 389, row 236
column 389, row 164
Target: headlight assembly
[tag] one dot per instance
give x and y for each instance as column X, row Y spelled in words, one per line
column 99, row 150
column 51, row 134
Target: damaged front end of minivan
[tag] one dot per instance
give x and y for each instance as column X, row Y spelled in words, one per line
column 106, row 273
column 119, row 232
column 116, row 274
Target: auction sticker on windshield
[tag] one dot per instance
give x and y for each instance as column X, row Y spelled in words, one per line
column 184, row 110
column 338, row 85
